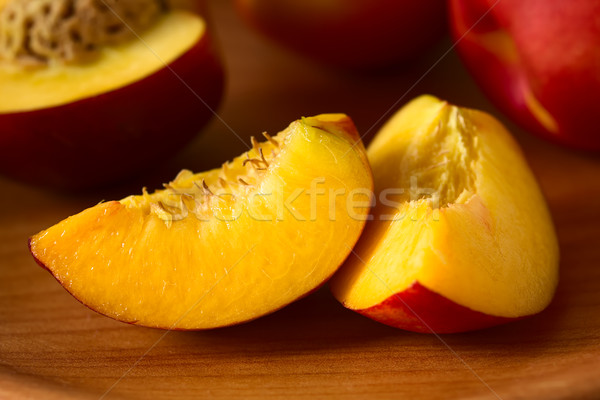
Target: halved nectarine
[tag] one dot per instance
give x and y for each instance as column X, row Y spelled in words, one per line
column 86, row 122
column 461, row 237
column 224, row 246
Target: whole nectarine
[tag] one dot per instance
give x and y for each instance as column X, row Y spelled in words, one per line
column 358, row 34
column 538, row 60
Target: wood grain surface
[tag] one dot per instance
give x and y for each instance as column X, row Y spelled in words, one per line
column 52, row 347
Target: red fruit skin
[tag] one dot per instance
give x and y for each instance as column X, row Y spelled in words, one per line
column 358, row 34
column 116, row 134
column 558, row 60
column 421, row 310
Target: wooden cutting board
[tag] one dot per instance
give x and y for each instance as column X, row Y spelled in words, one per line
column 52, row 347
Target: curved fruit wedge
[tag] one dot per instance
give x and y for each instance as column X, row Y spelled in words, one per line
column 60, row 124
column 461, row 237
column 224, row 246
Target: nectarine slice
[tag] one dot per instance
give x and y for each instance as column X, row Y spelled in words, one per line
column 461, row 236
column 224, row 246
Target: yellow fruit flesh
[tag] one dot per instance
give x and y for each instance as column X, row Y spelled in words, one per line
column 116, row 67
column 474, row 228
column 235, row 251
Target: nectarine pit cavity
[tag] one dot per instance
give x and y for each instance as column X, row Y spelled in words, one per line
column 69, row 31
column 436, row 170
column 440, row 161
column 202, row 195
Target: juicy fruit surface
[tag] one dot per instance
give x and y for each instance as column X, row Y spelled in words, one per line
column 470, row 224
column 116, row 67
column 223, row 246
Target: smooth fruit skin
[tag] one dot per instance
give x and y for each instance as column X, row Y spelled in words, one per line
column 538, row 61
column 116, row 134
column 358, row 34
column 421, row 310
